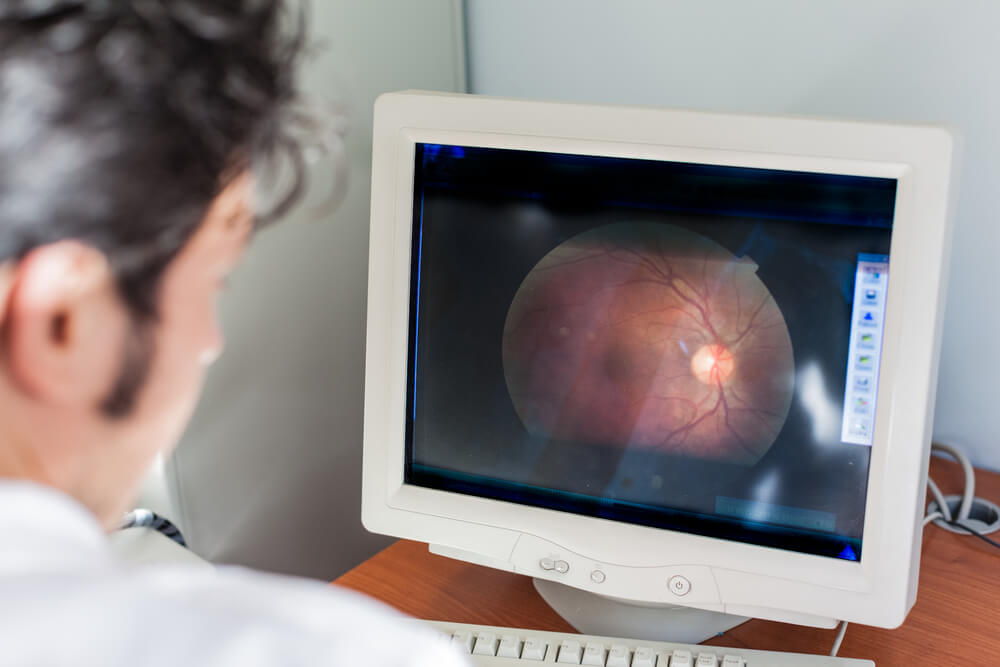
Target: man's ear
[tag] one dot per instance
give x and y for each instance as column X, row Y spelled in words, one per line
column 65, row 325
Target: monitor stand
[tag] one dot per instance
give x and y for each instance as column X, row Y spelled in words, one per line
column 593, row 614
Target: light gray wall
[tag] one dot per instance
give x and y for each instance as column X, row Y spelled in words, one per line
column 896, row 60
column 268, row 474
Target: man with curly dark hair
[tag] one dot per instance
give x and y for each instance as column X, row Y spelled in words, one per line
column 133, row 139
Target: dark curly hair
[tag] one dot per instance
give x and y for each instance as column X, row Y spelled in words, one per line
column 121, row 121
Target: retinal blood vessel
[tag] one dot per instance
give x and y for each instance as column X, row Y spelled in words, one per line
column 649, row 335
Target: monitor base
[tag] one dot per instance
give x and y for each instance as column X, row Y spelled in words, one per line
column 593, row 614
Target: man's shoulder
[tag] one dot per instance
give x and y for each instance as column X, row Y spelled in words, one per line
column 306, row 617
column 226, row 617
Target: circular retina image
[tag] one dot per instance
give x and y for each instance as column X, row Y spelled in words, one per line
column 646, row 335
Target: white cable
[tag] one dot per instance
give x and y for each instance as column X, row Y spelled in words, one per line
column 841, row 631
column 970, row 478
column 933, row 517
column 943, row 508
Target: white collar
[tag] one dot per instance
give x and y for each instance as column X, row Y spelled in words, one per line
column 42, row 529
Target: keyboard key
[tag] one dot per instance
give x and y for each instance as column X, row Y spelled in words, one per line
column 534, row 649
column 569, row 652
column 593, row 654
column 463, row 640
column 733, row 661
column 486, row 644
column 707, row 660
column 510, row 647
column 619, row 656
column 681, row 659
column 644, row 657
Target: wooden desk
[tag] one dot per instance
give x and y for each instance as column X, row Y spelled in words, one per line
column 956, row 620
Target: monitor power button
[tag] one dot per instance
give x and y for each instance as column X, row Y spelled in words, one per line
column 679, row 585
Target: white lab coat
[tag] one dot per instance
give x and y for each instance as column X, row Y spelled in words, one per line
column 64, row 600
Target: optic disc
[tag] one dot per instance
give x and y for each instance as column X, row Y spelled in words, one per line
column 713, row 364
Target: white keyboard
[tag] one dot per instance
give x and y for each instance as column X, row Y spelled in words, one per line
column 489, row 646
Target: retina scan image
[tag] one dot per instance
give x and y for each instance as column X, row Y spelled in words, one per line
column 652, row 336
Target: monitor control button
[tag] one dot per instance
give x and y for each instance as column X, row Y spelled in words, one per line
column 679, row 585
column 597, row 577
column 561, row 566
column 547, row 564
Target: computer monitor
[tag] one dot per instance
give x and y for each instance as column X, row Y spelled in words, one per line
column 669, row 358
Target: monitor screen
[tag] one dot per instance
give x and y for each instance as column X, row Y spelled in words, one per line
column 692, row 347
